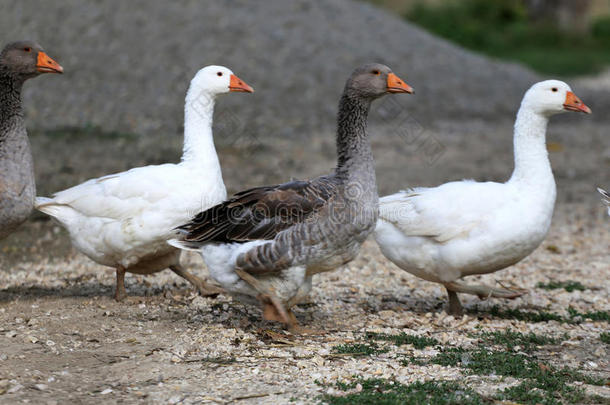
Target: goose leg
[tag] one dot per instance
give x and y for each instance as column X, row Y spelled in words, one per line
column 455, row 306
column 484, row 291
column 205, row 289
column 273, row 309
column 120, row 294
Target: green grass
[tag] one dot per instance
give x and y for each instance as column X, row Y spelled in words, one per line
column 605, row 337
column 540, row 382
column 371, row 348
column 502, row 29
column 594, row 316
column 543, row 383
column 569, row 286
column 530, row 392
column 419, row 342
column 388, row 392
column 359, row 349
column 526, row 342
column 540, row 316
column 574, row 317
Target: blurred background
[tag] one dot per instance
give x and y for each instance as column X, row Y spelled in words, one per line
column 128, row 65
column 561, row 37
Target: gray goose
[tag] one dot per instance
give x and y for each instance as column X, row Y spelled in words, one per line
column 265, row 244
column 19, row 61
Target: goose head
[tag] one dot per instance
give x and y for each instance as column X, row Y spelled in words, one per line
column 374, row 80
column 27, row 59
column 215, row 80
column 552, row 97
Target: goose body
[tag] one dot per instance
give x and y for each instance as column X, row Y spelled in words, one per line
column 463, row 228
column 123, row 220
column 265, row 244
column 475, row 233
column 19, row 61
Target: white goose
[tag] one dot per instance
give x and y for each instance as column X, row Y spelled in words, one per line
column 464, row 227
column 123, row 220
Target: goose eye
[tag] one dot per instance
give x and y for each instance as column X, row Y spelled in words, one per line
column 554, row 89
column 219, row 73
column 27, row 49
column 376, row 72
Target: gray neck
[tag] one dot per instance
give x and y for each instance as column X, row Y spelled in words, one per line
column 11, row 113
column 355, row 157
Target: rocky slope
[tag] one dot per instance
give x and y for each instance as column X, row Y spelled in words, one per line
column 128, row 63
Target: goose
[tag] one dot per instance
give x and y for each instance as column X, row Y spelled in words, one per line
column 19, row 61
column 605, row 198
column 462, row 228
column 123, row 220
column 263, row 245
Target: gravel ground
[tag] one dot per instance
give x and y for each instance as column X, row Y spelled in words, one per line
column 63, row 338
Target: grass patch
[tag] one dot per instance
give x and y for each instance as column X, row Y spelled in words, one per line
column 540, row 316
column 526, row 342
column 503, row 29
column 544, row 384
column 569, row 286
column 483, row 361
column 594, row 316
column 540, row 382
column 529, row 392
column 573, row 317
column 419, row 342
column 371, row 348
column 359, row 349
column 605, row 337
column 388, row 392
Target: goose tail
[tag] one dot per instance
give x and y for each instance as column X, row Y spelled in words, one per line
column 184, row 245
column 48, row 206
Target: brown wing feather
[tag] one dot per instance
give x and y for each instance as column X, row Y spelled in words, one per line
column 261, row 212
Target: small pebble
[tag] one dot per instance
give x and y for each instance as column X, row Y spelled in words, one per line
column 15, row 388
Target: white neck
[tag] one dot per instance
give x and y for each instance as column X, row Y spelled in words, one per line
column 532, row 164
column 199, row 147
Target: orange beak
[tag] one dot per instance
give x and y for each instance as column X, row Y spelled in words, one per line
column 45, row 64
column 573, row 103
column 237, row 84
column 397, row 85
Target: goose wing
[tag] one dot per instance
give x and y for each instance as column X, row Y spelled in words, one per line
column 443, row 213
column 260, row 213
